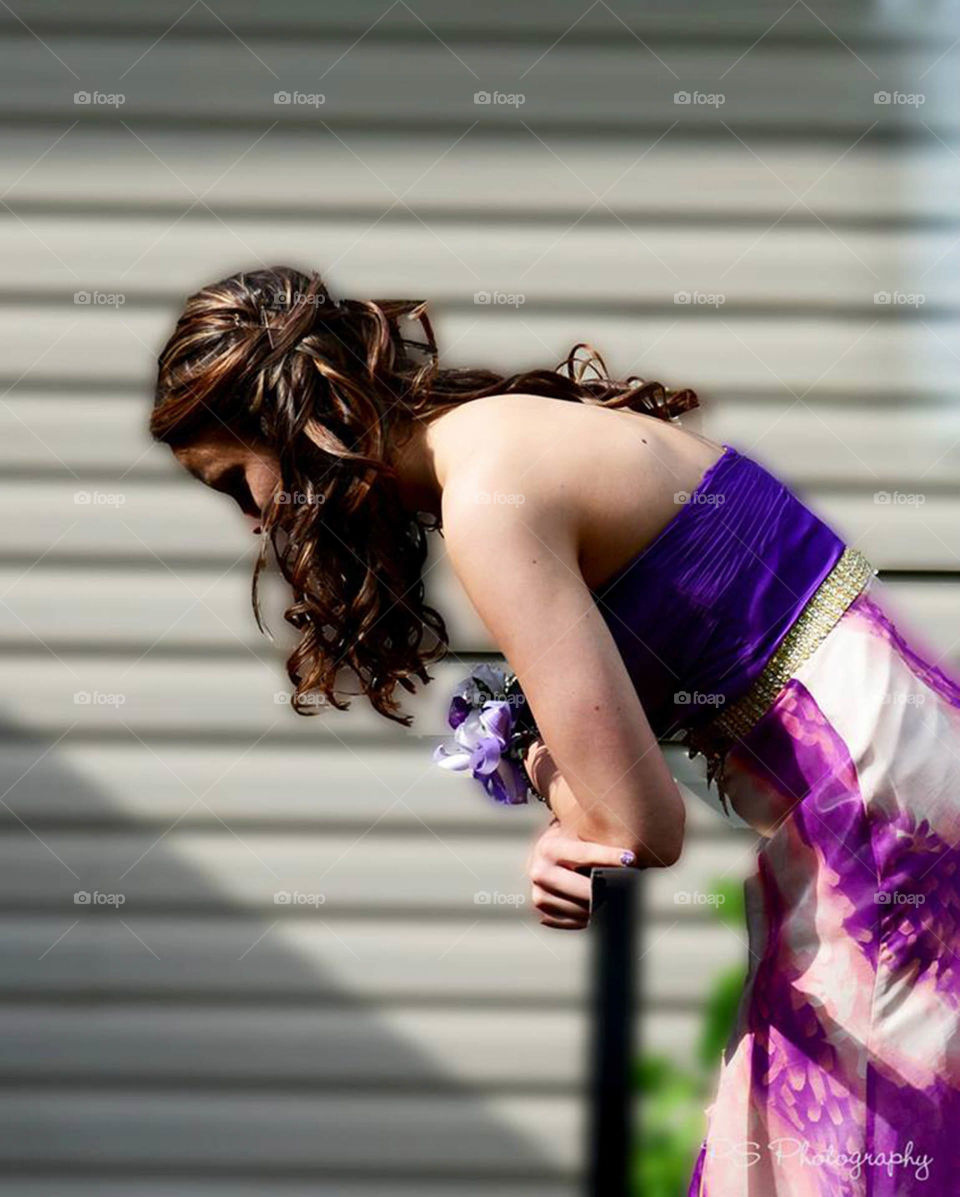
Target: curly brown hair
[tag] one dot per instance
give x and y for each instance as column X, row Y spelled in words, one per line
column 325, row 384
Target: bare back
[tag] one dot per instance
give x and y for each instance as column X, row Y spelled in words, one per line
column 620, row 474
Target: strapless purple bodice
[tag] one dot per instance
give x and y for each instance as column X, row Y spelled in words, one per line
column 698, row 612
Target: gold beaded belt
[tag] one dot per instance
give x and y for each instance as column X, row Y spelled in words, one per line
column 819, row 615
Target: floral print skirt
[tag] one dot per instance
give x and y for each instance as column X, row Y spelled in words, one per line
column 842, row 1075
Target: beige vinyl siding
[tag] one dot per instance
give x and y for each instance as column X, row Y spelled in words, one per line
column 401, row 1025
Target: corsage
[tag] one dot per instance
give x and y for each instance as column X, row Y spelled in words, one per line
column 493, row 727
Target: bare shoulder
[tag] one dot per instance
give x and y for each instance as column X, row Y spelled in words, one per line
column 493, row 422
column 511, row 539
column 506, row 441
column 594, row 483
column 522, row 480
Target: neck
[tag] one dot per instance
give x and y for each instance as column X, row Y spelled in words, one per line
column 414, row 460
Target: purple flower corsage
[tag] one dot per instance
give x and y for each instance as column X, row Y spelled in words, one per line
column 493, row 726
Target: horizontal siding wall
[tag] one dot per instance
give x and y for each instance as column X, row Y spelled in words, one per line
column 322, row 978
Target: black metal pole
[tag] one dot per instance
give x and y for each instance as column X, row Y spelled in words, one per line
column 611, row 1125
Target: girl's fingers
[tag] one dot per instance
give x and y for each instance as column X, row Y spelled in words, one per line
column 581, row 852
column 559, row 868
column 556, row 906
column 564, row 924
column 564, row 883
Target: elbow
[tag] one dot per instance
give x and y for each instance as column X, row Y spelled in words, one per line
column 666, row 851
column 658, row 851
column 656, row 842
column 661, row 840
column 669, row 843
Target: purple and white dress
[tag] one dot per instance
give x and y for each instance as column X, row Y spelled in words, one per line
column 842, row 1076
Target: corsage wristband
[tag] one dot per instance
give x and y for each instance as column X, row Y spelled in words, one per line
column 493, row 727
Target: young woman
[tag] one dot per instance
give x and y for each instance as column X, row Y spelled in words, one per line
column 644, row 583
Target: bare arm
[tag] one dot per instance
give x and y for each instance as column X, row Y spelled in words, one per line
column 519, row 566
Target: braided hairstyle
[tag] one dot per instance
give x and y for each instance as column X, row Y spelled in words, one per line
column 328, row 386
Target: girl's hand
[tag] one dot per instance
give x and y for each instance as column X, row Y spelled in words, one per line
column 561, row 894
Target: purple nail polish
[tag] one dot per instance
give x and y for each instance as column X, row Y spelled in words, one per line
column 627, row 858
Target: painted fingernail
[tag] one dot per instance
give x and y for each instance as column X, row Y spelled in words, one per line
column 627, row 857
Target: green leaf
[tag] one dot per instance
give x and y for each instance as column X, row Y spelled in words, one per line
column 719, row 1017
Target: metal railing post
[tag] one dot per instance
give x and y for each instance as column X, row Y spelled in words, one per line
column 614, row 968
